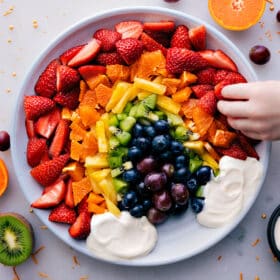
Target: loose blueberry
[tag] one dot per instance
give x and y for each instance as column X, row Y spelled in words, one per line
column 142, row 143
column 137, row 211
column 166, row 156
column 197, row 205
column 149, row 131
column 131, row 176
column 181, row 161
column 176, row 147
column 160, row 143
column 192, row 184
column 161, row 126
column 203, row 175
column 138, row 130
column 142, row 190
column 134, row 153
column 129, row 199
column 179, row 209
column 182, row 174
column 147, row 204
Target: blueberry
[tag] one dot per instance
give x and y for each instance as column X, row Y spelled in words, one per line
column 176, row 147
column 182, row 174
column 179, row 209
column 166, row 156
column 129, row 200
column 161, row 126
column 134, row 153
column 197, row 205
column 142, row 190
column 147, row 204
column 160, row 143
column 192, row 184
column 131, row 176
column 142, row 143
column 150, row 131
column 203, row 174
column 181, row 161
column 138, row 130
column 137, row 211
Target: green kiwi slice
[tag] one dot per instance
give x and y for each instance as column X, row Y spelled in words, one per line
column 16, row 239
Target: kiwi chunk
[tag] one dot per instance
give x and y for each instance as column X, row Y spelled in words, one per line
column 16, row 239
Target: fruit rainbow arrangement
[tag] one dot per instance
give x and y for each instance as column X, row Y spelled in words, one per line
column 128, row 121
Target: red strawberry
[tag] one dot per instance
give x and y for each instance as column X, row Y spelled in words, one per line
column 60, row 138
column 206, row 76
column 69, row 54
column 218, row 89
column 86, row 53
column 208, row 103
column 220, row 75
column 198, row 37
column 36, row 147
column 108, row 39
column 181, row 59
column 81, row 227
column 200, row 90
column 129, row 29
column 46, row 83
column 46, row 124
column 129, row 49
column 162, row 38
column 219, row 59
column 46, row 173
column 52, row 195
column 30, row 128
column 234, row 151
column 165, row 26
column 109, row 58
column 66, row 78
column 247, row 146
column 68, row 99
column 89, row 71
column 83, row 205
column 63, row 214
column 180, row 38
column 69, row 198
column 151, row 44
column 36, row 106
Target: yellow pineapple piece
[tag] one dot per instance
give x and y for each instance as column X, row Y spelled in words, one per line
column 66, row 114
column 99, row 175
column 108, row 189
column 167, row 104
column 210, row 161
column 97, row 161
column 112, row 207
column 197, row 146
column 150, row 86
column 101, row 137
column 143, row 94
column 128, row 95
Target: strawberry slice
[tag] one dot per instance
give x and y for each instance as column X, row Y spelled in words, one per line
column 83, row 205
column 46, row 83
column 206, row 76
column 220, row 75
column 68, row 99
column 160, row 37
column 46, row 124
column 53, row 196
column 247, row 146
column 90, row 71
column 46, row 173
column 66, row 78
column 164, row 26
column 86, row 54
column 235, row 151
column 198, row 37
column 63, row 214
column 219, row 59
column 69, row 198
column 36, row 147
column 151, row 44
column 36, row 106
column 181, row 59
column 208, row 103
column 200, row 90
column 69, row 54
column 129, row 49
column 129, row 29
column 108, row 39
column 30, row 128
column 60, row 138
column 180, row 38
column 109, row 58
column 81, row 227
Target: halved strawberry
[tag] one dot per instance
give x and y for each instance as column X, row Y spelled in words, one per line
column 129, row 29
column 89, row 71
column 36, row 147
column 53, row 196
column 200, row 90
column 46, row 124
column 68, row 99
column 86, row 54
column 206, row 76
column 247, row 146
column 46, row 83
column 46, row 173
column 208, row 103
column 181, row 59
column 129, row 49
column 109, row 58
column 198, row 37
column 160, row 37
column 60, row 138
column 63, row 214
column 219, row 59
column 69, row 54
column 235, row 151
column 36, row 106
column 108, row 39
column 180, row 38
column 81, row 227
column 66, row 78
column 151, row 44
column 69, row 198
column 165, row 26
column 83, row 205
column 220, row 75
column 30, row 128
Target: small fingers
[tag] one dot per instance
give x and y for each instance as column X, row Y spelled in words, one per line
column 236, row 91
column 234, row 109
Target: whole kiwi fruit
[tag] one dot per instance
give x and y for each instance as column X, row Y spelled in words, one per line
column 16, row 239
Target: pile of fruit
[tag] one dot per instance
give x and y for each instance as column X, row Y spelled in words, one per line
column 128, row 121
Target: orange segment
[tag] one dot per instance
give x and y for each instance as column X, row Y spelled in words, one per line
column 103, row 94
column 236, row 14
column 4, row 177
column 81, row 189
column 202, row 120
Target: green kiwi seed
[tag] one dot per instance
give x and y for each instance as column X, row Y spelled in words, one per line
column 16, row 239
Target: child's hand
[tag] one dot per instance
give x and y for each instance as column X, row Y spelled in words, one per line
column 253, row 108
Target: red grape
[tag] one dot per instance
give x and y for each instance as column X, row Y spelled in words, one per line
column 278, row 16
column 4, row 140
column 155, row 216
column 162, row 200
column 259, row 54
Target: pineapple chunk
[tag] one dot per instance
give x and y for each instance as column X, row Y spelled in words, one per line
column 167, row 104
column 123, row 100
column 197, row 146
column 143, row 94
column 66, row 114
column 210, row 161
column 108, row 189
column 101, row 137
column 99, row 175
column 97, row 161
column 112, row 207
column 150, row 86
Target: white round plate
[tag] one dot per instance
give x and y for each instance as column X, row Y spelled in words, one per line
column 181, row 237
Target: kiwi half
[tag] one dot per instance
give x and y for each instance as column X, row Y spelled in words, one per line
column 16, row 239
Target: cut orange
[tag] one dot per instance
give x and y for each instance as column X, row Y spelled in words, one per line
column 4, row 177
column 236, row 14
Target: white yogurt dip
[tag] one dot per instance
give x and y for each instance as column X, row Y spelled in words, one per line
column 226, row 193
column 123, row 237
column 277, row 233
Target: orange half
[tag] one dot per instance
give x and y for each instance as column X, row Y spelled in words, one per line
column 4, row 177
column 236, row 14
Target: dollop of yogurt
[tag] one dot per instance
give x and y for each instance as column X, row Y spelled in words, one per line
column 123, row 237
column 277, row 233
column 226, row 193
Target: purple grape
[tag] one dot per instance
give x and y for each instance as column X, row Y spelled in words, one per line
column 180, row 193
column 4, row 141
column 171, row 1
column 259, row 54
column 155, row 216
column 162, row 200
column 147, row 165
column 155, row 181
column 278, row 16
column 168, row 169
